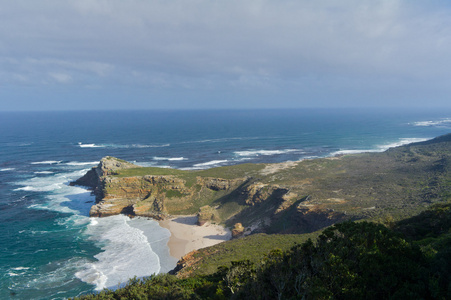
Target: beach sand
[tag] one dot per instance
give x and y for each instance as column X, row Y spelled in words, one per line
column 186, row 236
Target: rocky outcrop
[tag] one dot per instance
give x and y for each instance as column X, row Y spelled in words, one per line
column 220, row 184
column 121, row 188
column 258, row 192
column 238, row 230
column 155, row 196
column 207, row 214
column 138, row 195
column 107, row 166
column 186, row 262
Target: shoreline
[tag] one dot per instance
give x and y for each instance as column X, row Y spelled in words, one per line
column 187, row 236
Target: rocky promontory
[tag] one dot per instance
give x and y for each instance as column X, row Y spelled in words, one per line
column 293, row 197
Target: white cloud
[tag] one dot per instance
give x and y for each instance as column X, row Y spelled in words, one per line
column 208, row 44
column 61, row 77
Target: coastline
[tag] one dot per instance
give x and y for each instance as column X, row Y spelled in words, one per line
column 186, row 236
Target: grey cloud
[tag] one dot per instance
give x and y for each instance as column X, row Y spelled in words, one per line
column 208, row 44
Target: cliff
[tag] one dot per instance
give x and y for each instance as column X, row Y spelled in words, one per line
column 156, row 196
column 293, row 197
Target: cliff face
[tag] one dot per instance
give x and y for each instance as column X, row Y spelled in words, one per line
column 155, row 196
column 94, row 177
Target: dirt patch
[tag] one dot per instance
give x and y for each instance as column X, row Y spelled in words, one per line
column 274, row 168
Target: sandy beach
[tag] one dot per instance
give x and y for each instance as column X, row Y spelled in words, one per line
column 186, row 236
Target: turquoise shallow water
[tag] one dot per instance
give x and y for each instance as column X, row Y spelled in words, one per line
column 51, row 249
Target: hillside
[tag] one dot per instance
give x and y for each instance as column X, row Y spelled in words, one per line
column 292, row 197
column 351, row 260
column 406, row 188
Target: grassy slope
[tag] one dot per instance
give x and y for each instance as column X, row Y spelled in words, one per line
column 252, row 248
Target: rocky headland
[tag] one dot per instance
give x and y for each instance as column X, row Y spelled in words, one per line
column 293, row 197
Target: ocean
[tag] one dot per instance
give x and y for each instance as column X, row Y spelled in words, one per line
column 51, row 249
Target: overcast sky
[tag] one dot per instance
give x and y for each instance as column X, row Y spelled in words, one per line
column 144, row 54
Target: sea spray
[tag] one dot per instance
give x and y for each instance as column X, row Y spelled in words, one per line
column 126, row 253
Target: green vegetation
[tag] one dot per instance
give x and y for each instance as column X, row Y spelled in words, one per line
column 228, row 172
column 231, row 172
column 148, row 171
column 294, row 197
column 252, row 248
column 174, row 194
column 406, row 188
column 351, row 260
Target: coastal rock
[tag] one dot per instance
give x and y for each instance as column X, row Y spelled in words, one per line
column 90, row 179
column 238, row 230
column 257, row 193
column 185, row 263
column 107, row 166
column 154, row 196
column 220, row 184
column 301, row 197
column 207, row 214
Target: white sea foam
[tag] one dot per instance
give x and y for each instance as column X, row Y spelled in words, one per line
column 46, row 162
column 76, row 163
column 170, row 158
column 150, row 164
column 44, row 172
column 221, row 140
column 7, row 169
column 126, row 253
column 81, row 145
column 158, row 238
column 264, row 152
column 41, row 188
column 17, row 271
column 20, row 268
column 437, row 123
column 54, row 275
column 60, row 196
column 401, row 142
column 243, row 159
column 210, row 163
column 355, row 151
column 144, row 164
column 381, row 148
column 150, row 146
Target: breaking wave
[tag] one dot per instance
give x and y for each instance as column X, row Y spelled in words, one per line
column 125, row 248
column 118, row 146
column 265, row 152
column 381, row 148
column 445, row 123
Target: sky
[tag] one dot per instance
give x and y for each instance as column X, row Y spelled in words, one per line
column 213, row 54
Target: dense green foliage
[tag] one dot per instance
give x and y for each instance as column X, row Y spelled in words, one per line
column 348, row 261
column 252, row 248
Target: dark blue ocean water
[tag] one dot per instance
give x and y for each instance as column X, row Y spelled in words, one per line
column 51, row 249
